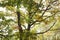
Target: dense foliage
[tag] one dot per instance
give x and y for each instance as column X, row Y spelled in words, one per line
column 26, row 19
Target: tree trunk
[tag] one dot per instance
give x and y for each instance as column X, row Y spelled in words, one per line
column 21, row 36
column 19, row 25
column 27, row 36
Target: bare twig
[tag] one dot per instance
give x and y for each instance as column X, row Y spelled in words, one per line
column 44, row 13
column 24, row 26
column 48, row 8
column 47, row 29
column 41, row 20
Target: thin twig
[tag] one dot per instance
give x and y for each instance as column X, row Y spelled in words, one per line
column 47, row 29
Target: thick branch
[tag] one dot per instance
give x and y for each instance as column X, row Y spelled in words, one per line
column 19, row 23
column 29, row 21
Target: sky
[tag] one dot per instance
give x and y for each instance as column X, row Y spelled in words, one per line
column 3, row 9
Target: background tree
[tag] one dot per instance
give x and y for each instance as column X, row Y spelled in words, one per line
column 31, row 17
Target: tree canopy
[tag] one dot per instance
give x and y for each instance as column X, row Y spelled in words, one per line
column 28, row 18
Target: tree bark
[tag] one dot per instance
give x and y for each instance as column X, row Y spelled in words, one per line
column 19, row 25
